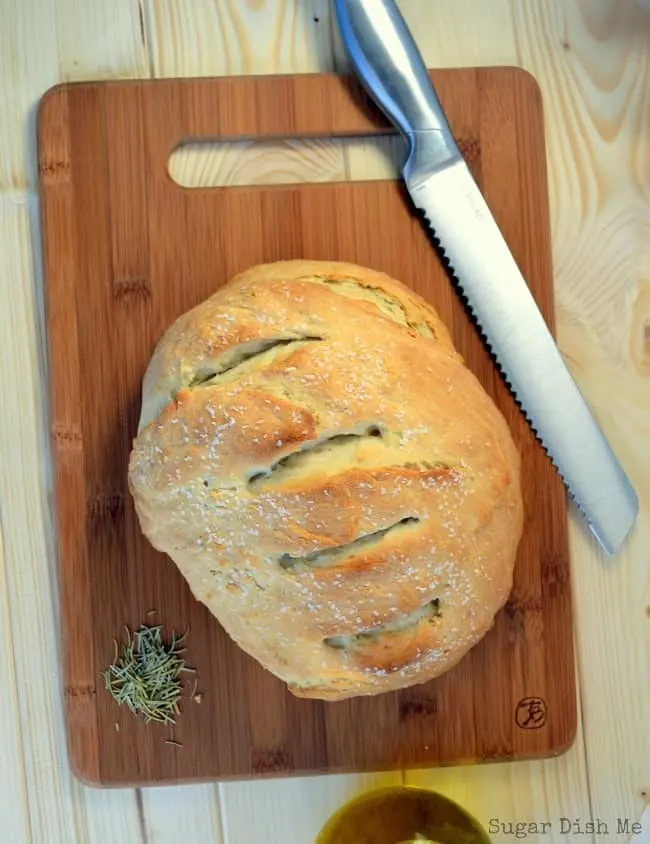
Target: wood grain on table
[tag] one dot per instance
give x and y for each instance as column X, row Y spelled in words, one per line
column 592, row 60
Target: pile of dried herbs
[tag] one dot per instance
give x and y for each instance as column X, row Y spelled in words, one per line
column 146, row 674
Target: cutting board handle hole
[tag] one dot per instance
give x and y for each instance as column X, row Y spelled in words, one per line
column 286, row 161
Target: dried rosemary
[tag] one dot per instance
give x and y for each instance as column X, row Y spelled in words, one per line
column 146, row 674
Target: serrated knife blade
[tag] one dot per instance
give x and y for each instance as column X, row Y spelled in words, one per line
column 441, row 186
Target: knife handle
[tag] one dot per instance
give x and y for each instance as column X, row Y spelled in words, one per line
column 390, row 66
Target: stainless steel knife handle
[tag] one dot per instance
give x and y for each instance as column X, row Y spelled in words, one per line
column 388, row 62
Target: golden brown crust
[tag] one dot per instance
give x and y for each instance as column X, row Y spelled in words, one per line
column 332, row 481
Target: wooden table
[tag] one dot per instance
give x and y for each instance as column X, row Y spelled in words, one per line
column 592, row 60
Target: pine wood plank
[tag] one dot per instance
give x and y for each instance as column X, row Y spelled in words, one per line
column 270, row 37
column 258, row 163
column 14, row 809
column 591, row 60
column 101, row 40
column 172, row 814
column 294, row 810
column 286, row 161
column 224, row 37
column 25, row 73
column 26, row 526
column 105, row 815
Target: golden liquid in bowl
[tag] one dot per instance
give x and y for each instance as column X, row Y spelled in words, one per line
column 419, row 839
column 402, row 815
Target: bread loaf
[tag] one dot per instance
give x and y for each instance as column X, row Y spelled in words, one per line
column 329, row 477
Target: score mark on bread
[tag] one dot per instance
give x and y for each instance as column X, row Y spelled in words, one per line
column 253, row 352
column 314, row 450
column 337, row 554
column 331, row 480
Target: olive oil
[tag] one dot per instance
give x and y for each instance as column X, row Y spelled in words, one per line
column 402, row 815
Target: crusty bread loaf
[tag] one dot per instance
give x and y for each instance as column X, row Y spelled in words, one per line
column 332, row 481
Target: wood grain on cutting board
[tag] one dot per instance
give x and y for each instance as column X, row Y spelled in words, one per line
column 126, row 251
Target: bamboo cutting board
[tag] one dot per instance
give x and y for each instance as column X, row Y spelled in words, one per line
column 126, row 251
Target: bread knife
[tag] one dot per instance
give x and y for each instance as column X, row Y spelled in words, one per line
column 386, row 59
